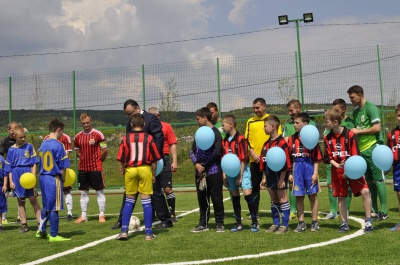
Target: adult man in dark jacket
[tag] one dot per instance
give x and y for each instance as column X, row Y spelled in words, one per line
column 153, row 127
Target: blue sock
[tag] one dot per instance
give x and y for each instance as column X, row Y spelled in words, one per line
column 44, row 217
column 54, row 223
column 148, row 215
column 275, row 213
column 127, row 213
column 285, row 209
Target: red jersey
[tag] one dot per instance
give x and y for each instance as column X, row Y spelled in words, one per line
column 90, row 146
column 169, row 137
column 393, row 141
column 65, row 140
column 280, row 142
column 138, row 148
column 297, row 149
column 238, row 146
column 340, row 146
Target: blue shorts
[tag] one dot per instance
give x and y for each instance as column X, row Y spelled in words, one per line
column 396, row 177
column 273, row 178
column 52, row 193
column 3, row 203
column 246, row 180
column 19, row 191
column 303, row 171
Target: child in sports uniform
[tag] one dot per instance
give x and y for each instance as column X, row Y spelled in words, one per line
column 393, row 141
column 276, row 182
column 3, row 185
column 53, row 162
column 340, row 144
column 235, row 143
column 305, row 174
column 21, row 158
column 138, row 155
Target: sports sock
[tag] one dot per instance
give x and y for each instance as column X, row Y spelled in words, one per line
column 171, row 202
column 148, row 213
column 101, row 201
column 374, row 195
column 43, row 220
column 348, row 201
column 127, row 213
column 237, row 209
column 382, row 193
column 285, row 210
column 54, row 220
column 292, row 201
column 275, row 209
column 251, row 204
column 332, row 201
column 68, row 201
column 256, row 202
column 84, row 202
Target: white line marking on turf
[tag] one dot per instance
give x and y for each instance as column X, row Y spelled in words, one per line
column 92, row 244
column 277, row 252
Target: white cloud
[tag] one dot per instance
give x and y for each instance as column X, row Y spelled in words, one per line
column 237, row 15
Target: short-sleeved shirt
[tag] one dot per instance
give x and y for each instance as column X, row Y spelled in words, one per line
column 2, row 171
column 90, row 146
column 279, row 142
column 298, row 150
column 53, row 158
column 393, row 141
column 169, row 137
column 288, row 129
column 340, row 146
column 236, row 145
column 365, row 118
column 138, row 148
column 23, row 156
column 255, row 134
column 218, row 125
column 65, row 140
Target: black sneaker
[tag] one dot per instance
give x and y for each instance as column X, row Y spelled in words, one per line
column 314, row 227
column 381, row 216
column 300, row 228
column 344, row 228
column 24, row 229
column 220, row 229
column 165, row 225
column 117, row 225
column 200, row 228
column 173, row 219
column 18, row 220
column 69, row 217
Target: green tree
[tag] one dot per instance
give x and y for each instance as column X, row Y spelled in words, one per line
column 169, row 103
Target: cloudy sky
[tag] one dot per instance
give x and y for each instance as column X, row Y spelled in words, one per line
column 65, row 26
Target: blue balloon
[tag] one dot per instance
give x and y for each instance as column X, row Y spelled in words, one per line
column 309, row 136
column 276, row 158
column 355, row 167
column 230, row 164
column 382, row 157
column 160, row 166
column 204, row 137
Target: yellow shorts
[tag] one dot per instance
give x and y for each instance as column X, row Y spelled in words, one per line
column 138, row 179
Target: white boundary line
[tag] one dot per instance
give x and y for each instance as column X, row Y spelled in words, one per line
column 94, row 243
column 277, row 252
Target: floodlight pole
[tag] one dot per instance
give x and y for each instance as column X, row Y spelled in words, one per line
column 297, row 20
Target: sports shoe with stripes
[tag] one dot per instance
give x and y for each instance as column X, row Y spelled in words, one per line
column 272, row 229
column 282, row 230
column 80, row 220
column 102, row 219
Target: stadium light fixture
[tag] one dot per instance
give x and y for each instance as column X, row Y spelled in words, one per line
column 307, row 18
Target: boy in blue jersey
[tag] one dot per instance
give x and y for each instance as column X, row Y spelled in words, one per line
column 52, row 165
column 3, row 185
column 21, row 158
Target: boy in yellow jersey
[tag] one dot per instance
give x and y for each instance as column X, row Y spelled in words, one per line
column 256, row 138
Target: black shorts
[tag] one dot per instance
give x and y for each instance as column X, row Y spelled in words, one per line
column 90, row 179
column 166, row 174
column 272, row 180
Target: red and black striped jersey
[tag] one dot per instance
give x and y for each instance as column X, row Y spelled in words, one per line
column 340, row 146
column 393, row 141
column 297, row 149
column 138, row 148
column 279, row 142
column 237, row 145
column 90, row 146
